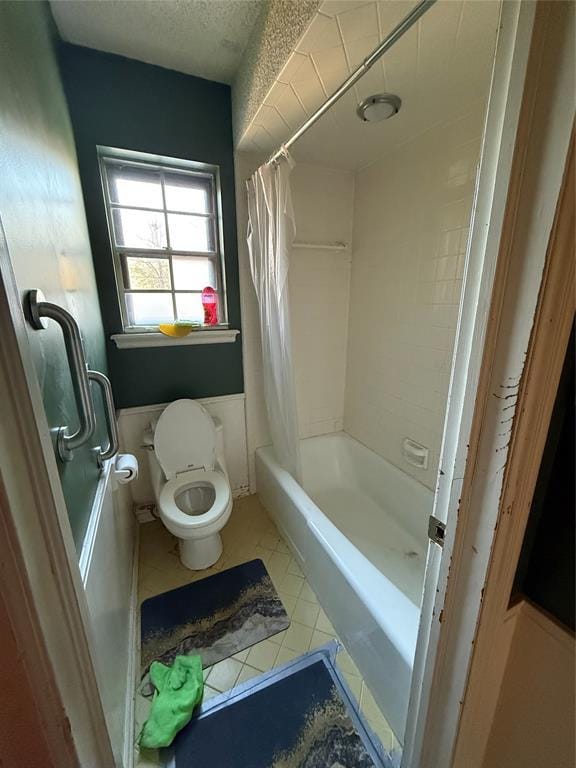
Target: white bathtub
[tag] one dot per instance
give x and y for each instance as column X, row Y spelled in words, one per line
column 359, row 529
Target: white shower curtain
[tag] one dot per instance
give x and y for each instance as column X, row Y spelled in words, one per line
column 270, row 237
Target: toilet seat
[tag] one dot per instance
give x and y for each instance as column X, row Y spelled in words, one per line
column 188, row 526
column 185, row 439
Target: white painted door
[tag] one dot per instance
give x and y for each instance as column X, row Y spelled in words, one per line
column 39, row 558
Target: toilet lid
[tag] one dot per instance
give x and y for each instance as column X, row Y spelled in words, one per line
column 185, row 438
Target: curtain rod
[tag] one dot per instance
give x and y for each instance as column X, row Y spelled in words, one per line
column 403, row 27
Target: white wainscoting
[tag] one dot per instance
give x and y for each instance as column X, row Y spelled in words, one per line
column 229, row 409
column 108, row 565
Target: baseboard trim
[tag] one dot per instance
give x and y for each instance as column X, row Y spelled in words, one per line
column 238, row 493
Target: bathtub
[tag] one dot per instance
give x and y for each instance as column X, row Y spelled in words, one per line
column 358, row 527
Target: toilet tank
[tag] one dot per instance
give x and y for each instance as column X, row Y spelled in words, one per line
column 156, row 474
column 220, row 444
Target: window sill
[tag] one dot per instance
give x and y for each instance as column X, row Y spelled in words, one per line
column 151, row 339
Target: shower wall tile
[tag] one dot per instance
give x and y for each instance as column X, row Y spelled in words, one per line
column 319, row 288
column 411, row 225
column 319, row 284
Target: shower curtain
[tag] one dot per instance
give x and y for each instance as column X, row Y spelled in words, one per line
column 270, row 235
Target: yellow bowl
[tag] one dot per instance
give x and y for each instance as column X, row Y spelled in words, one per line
column 176, row 330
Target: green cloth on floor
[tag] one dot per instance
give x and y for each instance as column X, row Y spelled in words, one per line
column 178, row 689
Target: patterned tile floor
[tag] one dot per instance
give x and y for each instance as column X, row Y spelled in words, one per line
column 251, row 533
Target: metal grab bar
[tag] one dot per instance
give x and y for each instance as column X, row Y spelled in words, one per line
column 38, row 309
column 111, row 425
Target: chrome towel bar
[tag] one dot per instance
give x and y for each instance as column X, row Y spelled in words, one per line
column 38, row 309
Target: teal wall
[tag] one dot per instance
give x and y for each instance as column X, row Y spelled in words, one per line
column 43, row 216
column 118, row 102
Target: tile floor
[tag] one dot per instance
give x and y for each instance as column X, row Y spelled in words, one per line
column 251, row 533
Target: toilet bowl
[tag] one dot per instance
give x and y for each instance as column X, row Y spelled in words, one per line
column 193, row 496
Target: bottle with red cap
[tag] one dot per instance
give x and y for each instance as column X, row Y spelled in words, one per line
column 210, row 304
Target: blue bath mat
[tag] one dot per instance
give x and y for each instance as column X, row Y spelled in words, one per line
column 299, row 716
column 215, row 617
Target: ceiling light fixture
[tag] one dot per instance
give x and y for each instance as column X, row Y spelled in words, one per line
column 379, row 107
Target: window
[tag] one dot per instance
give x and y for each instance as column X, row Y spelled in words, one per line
column 164, row 221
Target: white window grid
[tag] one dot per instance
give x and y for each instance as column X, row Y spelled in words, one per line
column 108, row 157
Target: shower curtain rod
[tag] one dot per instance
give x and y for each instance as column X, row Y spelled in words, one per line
column 416, row 12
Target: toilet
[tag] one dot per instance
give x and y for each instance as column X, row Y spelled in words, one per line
column 193, row 496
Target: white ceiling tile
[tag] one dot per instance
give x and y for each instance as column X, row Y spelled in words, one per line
column 359, row 49
column 472, row 50
column 345, row 115
column 293, row 114
column 431, row 56
column 332, row 67
column 415, row 68
column 359, row 22
column 322, row 145
column 391, row 13
column 251, row 147
column 297, row 67
column 276, row 94
column 322, row 33
column 310, row 91
column 306, row 71
column 400, row 63
column 286, row 102
column 269, row 119
column 477, row 16
column 372, row 82
column 334, row 7
column 262, row 139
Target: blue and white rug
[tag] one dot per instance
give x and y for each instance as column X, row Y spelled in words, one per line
column 215, row 617
column 298, row 716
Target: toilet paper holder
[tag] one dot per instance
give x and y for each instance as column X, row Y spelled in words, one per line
column 125, row 468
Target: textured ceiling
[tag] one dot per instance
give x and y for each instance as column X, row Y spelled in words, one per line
column 441, row 65
column 200, row 37
column 274, row 37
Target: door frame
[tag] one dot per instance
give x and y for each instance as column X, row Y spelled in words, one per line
column 489, row 366
column 494, row 174
column 39, row 573
column 41, row 579
column 536, row 399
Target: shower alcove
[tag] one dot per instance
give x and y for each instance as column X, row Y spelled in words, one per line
column 382, row 212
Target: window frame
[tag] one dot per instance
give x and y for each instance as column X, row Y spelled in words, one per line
column 111, row 156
